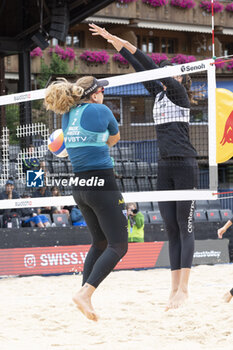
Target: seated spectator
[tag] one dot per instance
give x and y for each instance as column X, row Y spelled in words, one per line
column 135, row 223
column 27, row 212
column 43, row 192
column 76, row 217
column 30, row 216
column 30, row 161
column 37, row 220
column 11, row 217
column 58, row 209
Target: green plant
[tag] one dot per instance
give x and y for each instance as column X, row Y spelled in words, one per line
column 12, row 121
column 57, row 66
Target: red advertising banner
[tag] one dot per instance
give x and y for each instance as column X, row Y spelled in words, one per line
column 68, row 259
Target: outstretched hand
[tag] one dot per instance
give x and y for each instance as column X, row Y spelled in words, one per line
column 112, row 39
column 96, row 30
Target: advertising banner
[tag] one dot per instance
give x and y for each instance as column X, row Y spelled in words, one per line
column 68, row 259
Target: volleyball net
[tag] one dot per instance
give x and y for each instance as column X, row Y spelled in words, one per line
column 24, row 141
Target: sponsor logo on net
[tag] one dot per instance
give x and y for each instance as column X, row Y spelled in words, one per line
column 37, row 179
column 26, row 203
column 54, row 259
column 192, row 68
column 22, row 97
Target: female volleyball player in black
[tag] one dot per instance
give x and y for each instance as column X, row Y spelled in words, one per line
column 177, row 167
column 89, row 129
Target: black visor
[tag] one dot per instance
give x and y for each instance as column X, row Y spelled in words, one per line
column 94, row 86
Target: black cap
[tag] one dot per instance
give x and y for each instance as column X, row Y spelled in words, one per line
column 94, row 86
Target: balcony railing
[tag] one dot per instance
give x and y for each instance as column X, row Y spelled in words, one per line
column 142, row 12
column 83, row 67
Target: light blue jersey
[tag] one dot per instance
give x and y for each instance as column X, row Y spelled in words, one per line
column 86, row 129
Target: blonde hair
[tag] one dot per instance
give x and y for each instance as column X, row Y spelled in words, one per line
column 131, row 205
column 62, row 95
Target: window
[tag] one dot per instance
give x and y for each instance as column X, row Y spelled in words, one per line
column 228, row 49
column 68, row 40
column 78, row 40
column 75, row 39
column 168, row 45
column 148, row 44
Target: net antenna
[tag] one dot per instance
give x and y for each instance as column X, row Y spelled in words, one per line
column 198, row 69
column 212, row 24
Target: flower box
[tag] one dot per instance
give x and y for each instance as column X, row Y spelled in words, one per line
column 97, row 57
column 158, row 57
column 230, row 66
column 37, row 52
column 155, row 3
column 117, row 57
column 219, row 63
column 64, row 54
column 183, row 4
column 206, row 6
column 229, row 7
column 180, row 59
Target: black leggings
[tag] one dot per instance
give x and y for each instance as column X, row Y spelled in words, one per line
column 104, row 212
column 177, row 174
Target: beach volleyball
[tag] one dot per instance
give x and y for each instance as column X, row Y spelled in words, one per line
column 56, row 144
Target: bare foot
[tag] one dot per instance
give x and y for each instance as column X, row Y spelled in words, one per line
column 227, row 297
column 172, row 295
column 177, row 300
column 83, row 303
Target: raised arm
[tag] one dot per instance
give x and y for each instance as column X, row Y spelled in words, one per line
column 125, row 48
column 136, row 58
column 117, row 42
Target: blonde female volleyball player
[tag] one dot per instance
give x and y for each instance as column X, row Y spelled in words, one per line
column 177, row 168
column 89, row 129
column 229, row 294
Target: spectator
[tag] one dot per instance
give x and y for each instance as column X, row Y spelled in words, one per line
column 76, row 217
column 27, row 212
column 37, row 220
column 58, row 209
column 30, row 216
column 30, row 162
column 135, row 223
column 43, row 192
column 10, row 216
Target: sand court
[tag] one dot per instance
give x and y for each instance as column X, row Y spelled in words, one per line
column 38, row 313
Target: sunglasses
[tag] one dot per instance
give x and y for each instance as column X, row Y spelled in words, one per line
column 102, row 90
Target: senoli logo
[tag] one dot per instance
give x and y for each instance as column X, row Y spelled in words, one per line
column 192, row 68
